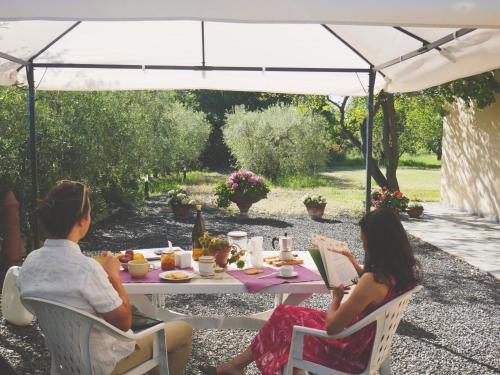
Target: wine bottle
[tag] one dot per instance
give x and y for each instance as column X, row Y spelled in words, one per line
column 198, row 231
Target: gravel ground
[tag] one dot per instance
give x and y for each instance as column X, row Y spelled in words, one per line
column 451, row 327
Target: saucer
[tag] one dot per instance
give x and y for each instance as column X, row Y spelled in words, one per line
column 291, row 276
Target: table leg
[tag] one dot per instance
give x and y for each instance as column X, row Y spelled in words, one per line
column 251, row 322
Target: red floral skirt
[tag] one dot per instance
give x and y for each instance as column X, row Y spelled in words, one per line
column 271, row 346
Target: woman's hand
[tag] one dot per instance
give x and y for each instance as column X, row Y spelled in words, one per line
column 348, row 254
column 110, row 264
column 353, row 260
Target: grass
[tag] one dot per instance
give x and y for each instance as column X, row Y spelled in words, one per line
column 342, row 186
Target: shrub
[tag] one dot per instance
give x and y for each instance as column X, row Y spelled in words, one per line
column 109, row 140
column 277, row 141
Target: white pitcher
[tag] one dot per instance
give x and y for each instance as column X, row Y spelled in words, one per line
column 256, row 252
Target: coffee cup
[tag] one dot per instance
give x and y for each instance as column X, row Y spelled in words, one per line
column 206, row 265
column 286, row 271
column 139, row 268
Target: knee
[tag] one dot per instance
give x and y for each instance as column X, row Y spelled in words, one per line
column 177, row 334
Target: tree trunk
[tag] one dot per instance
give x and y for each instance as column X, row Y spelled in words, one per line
column 376, row 173
column 390, row 139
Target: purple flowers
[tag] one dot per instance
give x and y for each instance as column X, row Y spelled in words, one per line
column 237, row 179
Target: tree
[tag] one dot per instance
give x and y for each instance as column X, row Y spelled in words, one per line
column 215, row 105
column 277, row 141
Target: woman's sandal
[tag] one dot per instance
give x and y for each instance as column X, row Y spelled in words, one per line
column 207, row 369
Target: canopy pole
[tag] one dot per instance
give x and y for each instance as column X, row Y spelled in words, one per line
column 33, row 155
column 369, row 139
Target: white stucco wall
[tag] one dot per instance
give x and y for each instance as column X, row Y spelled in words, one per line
column 470, row 178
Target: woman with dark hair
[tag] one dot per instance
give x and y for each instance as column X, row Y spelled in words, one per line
column 390, row 269
column 59, row 272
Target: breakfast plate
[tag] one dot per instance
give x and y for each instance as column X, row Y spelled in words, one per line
column 177, row 276
column 291, row 276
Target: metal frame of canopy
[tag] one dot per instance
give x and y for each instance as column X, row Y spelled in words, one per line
column 30, row 65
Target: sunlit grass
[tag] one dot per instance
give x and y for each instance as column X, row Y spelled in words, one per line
column 343, row 188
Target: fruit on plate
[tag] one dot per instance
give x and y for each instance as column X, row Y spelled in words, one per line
column 130, row 252
column 125, row 258
column 138, row 256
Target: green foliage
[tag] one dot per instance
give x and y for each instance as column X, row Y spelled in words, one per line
column 109, row 140
column 215, row 105
column 277, row 141
column 300, row 181
column 480, row 89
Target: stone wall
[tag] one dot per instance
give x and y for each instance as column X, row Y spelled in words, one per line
column 471, row 160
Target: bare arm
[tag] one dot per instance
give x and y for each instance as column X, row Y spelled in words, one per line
column 121, row 317
column 367, row 291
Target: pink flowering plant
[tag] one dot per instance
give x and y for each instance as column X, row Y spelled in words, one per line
column 241, row 186
column 392, row 199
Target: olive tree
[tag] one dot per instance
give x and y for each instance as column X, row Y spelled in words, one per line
column 277, row 141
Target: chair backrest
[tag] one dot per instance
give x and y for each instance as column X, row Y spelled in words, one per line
column 67, row 332
column 388, row 317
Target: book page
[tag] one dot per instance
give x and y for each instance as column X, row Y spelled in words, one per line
column 338, row 267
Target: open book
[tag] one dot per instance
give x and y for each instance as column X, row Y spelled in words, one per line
column 334, row 267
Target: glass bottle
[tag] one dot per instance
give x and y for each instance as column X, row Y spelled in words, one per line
column 198, row 231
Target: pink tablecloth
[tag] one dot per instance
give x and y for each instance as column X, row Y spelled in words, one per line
column 151, row 277
column 254, row 284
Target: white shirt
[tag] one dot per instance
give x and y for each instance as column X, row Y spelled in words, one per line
column 61, row 273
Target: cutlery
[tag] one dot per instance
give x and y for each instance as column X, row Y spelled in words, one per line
column 271, row 274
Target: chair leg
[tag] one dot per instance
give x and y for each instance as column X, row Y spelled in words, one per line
column 162, row 353
column 385, row 367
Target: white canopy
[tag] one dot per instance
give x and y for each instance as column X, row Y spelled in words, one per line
column 290, row 46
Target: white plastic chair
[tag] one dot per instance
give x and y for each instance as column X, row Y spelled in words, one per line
column 67, row 331
column 387, row 318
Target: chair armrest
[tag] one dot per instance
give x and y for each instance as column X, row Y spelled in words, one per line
column 301, row 331
column 148, row 331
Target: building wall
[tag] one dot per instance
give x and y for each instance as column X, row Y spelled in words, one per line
column 470, row 177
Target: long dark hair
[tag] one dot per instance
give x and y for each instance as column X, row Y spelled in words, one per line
column 65, row 204
column 388, row 253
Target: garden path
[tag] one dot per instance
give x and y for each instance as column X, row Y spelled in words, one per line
column 474, row 239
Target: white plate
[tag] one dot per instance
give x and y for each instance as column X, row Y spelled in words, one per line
column 292, row 275
column 164, row 276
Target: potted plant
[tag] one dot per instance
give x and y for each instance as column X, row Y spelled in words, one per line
column 392, row 199
column 315, row 205
column 219, row 247
column 243, row 189
column 180, row 203
column 415, row 210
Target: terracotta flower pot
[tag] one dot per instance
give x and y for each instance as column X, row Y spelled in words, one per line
column 181, row 212
column 221, row 255
column 243, row 205
column 315, row 211
column 415, row 212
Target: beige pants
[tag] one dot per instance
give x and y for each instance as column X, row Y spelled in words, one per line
column 178, row 337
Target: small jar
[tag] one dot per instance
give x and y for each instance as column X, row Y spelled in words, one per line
column 168, row 260
column 206, row 265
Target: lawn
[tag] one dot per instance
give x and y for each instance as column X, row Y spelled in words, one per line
column 343, row 187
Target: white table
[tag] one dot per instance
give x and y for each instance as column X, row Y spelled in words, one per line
column 288, row 293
